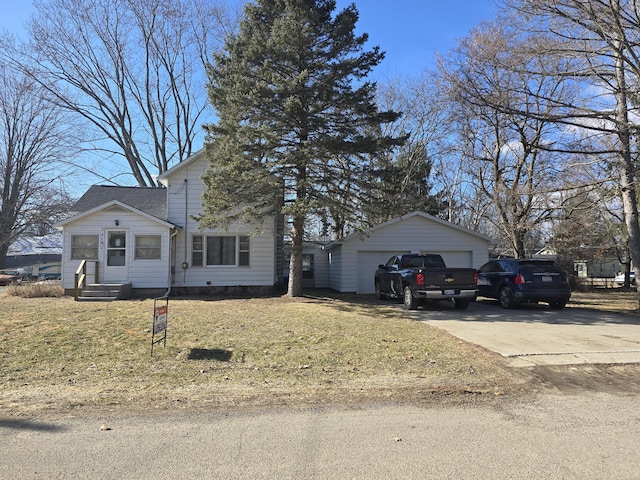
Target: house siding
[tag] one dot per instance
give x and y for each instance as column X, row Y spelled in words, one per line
column 141, row 273
column 335, row 268
column 185, row 189
column 321, row 268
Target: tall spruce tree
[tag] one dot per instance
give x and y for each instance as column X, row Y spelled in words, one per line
column 293, row 102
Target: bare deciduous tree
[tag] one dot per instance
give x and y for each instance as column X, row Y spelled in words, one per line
column 402, row 178
column 133, row 70
column 603, row 36
column 34, row 141
column 504, row 127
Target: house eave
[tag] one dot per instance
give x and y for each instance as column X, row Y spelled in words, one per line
column 163, row 177
column 104, row 206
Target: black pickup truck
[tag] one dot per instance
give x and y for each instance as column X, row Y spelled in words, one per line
column 416, row 278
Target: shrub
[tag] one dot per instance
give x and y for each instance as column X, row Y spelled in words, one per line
column 34, row 290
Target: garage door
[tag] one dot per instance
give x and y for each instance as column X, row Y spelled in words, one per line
column 367, row 265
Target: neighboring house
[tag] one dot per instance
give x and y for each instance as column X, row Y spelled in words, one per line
column 147, row 238
column 354, row 259
column 37, row 255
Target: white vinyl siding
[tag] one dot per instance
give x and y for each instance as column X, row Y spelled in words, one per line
column 141, row 273
column 335, row 268
column 253, row 252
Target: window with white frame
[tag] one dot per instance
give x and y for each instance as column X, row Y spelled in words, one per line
column 197, row 250
column 220, row 250
column 244, row 251
column 84, row 247
column 148, row 247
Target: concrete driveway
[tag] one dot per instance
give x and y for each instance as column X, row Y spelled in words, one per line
column 536, row 335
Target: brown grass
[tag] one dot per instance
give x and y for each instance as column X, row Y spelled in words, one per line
column 57, row 355
column 616, row 300
column 35, row 290
column 60, row 354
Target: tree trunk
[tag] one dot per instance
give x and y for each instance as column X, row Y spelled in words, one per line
column 4, row 248
column 626, row 167
column 295, row 264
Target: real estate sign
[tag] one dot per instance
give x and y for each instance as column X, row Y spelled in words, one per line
column 160, row 314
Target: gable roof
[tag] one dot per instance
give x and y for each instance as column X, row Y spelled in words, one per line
column 115, row 203
column 186, row 162
column 150, row 200
column 423, row 215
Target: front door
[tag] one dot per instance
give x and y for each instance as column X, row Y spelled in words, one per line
column 116, row 255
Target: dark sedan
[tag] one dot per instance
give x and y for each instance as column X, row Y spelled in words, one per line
column 512, row 281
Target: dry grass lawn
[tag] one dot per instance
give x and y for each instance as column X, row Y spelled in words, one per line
column 59, row 356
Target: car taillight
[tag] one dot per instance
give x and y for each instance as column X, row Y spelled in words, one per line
column 420, row 279
column 475, row 278
column 520, row 280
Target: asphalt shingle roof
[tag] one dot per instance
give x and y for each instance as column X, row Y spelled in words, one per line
column 150, row 200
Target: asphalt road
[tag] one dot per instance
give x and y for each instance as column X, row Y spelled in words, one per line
column 592, row 436
column 537, row 335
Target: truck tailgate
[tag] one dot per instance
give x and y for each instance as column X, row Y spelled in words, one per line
column 449, row 278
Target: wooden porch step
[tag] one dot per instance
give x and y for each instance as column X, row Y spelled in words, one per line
column 105, row 292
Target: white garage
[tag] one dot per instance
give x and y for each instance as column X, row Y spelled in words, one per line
column 353, row 260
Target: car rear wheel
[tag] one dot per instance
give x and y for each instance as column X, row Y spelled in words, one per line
column 410, row 302
column 558, row 305
column 506, row 298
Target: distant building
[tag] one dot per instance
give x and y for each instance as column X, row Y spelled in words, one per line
column 39, row 256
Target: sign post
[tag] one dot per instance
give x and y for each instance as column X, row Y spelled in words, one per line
column 160, row 313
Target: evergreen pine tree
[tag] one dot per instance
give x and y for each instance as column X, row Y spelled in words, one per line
column 293, row 103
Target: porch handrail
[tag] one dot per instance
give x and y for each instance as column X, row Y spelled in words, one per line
column 80, row 278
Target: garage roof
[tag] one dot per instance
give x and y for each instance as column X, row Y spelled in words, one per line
column 401, row 218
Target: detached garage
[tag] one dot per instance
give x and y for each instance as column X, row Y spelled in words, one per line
column 353, row 260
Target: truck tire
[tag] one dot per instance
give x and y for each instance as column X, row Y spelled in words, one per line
column 461, row 303
column 410, row 302
column 505, row 297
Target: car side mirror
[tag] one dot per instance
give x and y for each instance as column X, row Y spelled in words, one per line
column 381, row 266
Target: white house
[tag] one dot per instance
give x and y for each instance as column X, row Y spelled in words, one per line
column 148, row 240
column 354, row 259
column 239, row 256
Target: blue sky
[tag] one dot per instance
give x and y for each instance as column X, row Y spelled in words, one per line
column 409, row 31
column 412, row 31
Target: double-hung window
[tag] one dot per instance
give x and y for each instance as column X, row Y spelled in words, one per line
column 148, row 247
column 84, row 247
column 220, row 250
